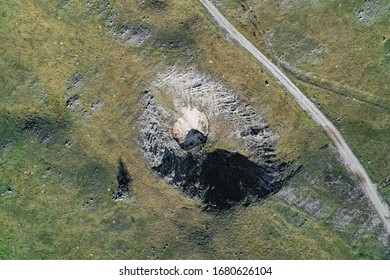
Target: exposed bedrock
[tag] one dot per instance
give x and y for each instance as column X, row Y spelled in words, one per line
column 174, row 141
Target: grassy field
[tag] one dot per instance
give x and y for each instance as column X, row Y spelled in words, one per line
column 338, row 58
column 59, row 156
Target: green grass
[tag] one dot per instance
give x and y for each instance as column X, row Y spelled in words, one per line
column 61, row 206
column 351, row 76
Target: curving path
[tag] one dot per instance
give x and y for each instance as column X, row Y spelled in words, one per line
column 348, row 157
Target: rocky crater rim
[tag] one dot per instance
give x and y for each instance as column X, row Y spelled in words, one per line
column 172, row 140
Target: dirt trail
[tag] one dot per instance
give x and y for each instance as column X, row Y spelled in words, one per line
column 333, row 134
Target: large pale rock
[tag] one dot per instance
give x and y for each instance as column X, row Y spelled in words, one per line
column 191, row 129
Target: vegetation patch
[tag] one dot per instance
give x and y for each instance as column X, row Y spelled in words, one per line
column 154, row 4
column 174, row 39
